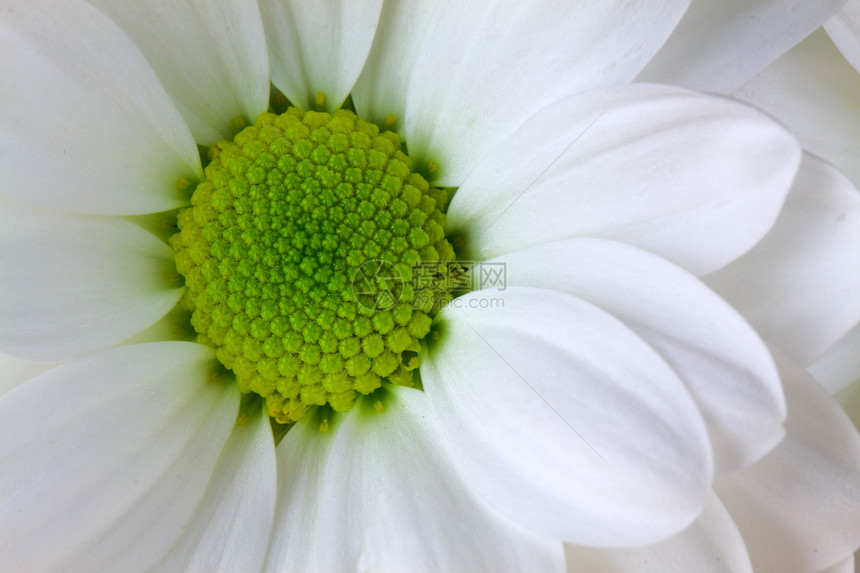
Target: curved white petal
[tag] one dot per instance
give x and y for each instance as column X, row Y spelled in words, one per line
column 723, row 363
column 844, row 28
column 813, row 91
column 799, row 507
column 380, row 494
column 230, row 530
column 86, row 125
column 459, row 76
column 209, row 55
column 712, row 544
column 799, row 286
column 541, row 392
column 839, row 367
column 105, row 458
column 318, row 47
column 70, row 284
column 720, row 45
column 14, row 371
column 696, row 179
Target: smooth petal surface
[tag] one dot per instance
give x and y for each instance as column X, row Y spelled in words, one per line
column 799, row 508
column 712, row 544
column 318, row 47
column 70, row 284
column 813, row 91
column 380, row 494
column 458, row 77
column 14, row 371
column 86, row 125
column 106, row 458
column 720, row 45
column 721, row 360
column 564, row 420
column 209, row 55
column 844, row 566
column 839, row 367
column 693, row 178
column 799, row 286
column 230, row 530
column 844, row 28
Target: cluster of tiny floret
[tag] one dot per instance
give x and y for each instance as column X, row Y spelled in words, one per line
column 298, row 254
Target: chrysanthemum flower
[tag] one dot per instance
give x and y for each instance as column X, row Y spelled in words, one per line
column 591, row 398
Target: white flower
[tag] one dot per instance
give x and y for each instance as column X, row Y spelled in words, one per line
column 597, row 406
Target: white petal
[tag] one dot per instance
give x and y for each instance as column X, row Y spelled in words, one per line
column 70, row 284
column 798, row 287
column 799, row 508
column 209, row 55
column 106, row 458
column 541, row 392
column 844, row 28
column 86, row 125
column 459, row 76
column 230, row 530
column 723, row 363
column 720, row 45
column 318, row 47
column 696, row 179
column 840, row 365
column 14, row 371
column 844, row 566
column 380, row 494
column 813, row 90
column 712, row 544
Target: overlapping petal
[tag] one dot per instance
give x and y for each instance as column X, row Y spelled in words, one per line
column 693, row 178
column 813, row 91
column 16, row 371
column 595, row 393
column 459, row 76
column 799, row 286
column 720, row 45
column 378, row 492
column 712, row 544
column 106, row 458
column 209, row 55
column 318, row 47
column 799, row 508
column 546, row 394
column 86, row 125
column 839, row 367
column 70, row 284
column 844, row 28
column 230, row 530
column 721, row 360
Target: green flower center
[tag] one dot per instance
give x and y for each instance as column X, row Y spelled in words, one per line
column 301, row 252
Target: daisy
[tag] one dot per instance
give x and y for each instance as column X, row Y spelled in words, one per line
column 592, row 403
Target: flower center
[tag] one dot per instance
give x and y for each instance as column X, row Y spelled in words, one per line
column 301, row 251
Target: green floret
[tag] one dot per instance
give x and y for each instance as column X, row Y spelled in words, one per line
column 299, row 253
